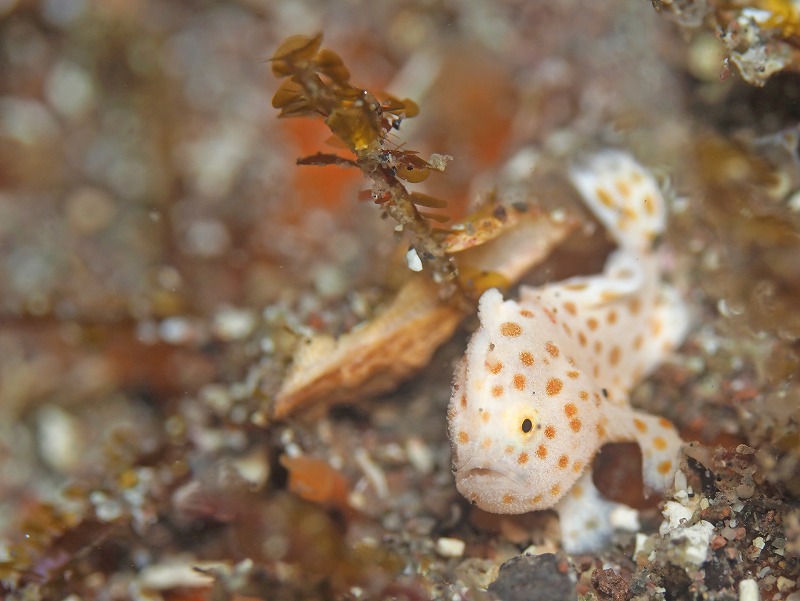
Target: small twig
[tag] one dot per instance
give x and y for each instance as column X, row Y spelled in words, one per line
column 323, row 160
column 318, row 84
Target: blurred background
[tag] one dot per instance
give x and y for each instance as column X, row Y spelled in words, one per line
column 153, row 220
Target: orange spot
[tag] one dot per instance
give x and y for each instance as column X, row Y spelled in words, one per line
column 567, row 329
column 584, row 396
column 485, row 416
column 614, row 355
column 497, row 391
column 536, row 499
column 519, row 382
column 569, row 307
column 664, row 423
column 637, row 343
column 659, row 443
column 608, row 295
column 508, row 499
column 649, row 205
column 604, row 197
column 486, row 443
column 552, row 349
column 463, row 437
column 582, row 338
column 495, row 367
column 510, row 329
column 592, row 323
column 635, row 305
column 598, row 346
column 580, row 286
column 577, row 466
column 640, row 425
column 464, row 401
column 526, row 358
column 572, row 374
column 664, row 467
column 550, row 432
column 555, row 490
column 612, row 317
column 451, row 412
column 509, row 450
column 601, row 431
column 526, row 313
column 563, row 462
column 577, row 491
column 522, row 459
column 570, row 409
column 554, row 386
column 596, row 371
column 576, row 425
column 623, row 188
column 541, row 451
column 549, row 315
column 655, row 327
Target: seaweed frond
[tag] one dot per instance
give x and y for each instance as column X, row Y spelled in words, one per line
column 317, row 83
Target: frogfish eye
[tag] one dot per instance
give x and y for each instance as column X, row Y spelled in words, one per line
column 527, row 425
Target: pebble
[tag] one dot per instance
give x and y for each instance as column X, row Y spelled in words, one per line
column 59, row 438
column 233, row 324
column 330, row 280
column 748, row 590
column 695, row 538
column 89, row 209
column 27, row 121
column 206, row 238
column 794, row 202
column 69, row 89
column 175, row 330
column 413, row 260
column 705, row 57
column 419, row 455
column 625, row 518
column 450, row 547
column 534, row 578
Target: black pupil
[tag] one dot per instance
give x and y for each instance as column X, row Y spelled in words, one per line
column 527, row 425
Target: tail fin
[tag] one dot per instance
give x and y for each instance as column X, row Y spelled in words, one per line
column 624, row 196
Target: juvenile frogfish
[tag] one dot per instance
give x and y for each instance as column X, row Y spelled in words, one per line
column 545, row 380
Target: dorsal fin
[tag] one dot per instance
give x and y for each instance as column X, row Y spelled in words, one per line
column 623, row 196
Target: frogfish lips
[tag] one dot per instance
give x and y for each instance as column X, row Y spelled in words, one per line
column 494, row 490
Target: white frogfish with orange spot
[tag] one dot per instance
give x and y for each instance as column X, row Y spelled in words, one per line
column 545, row 380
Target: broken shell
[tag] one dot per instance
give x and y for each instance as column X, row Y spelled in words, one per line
column 376, row 356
